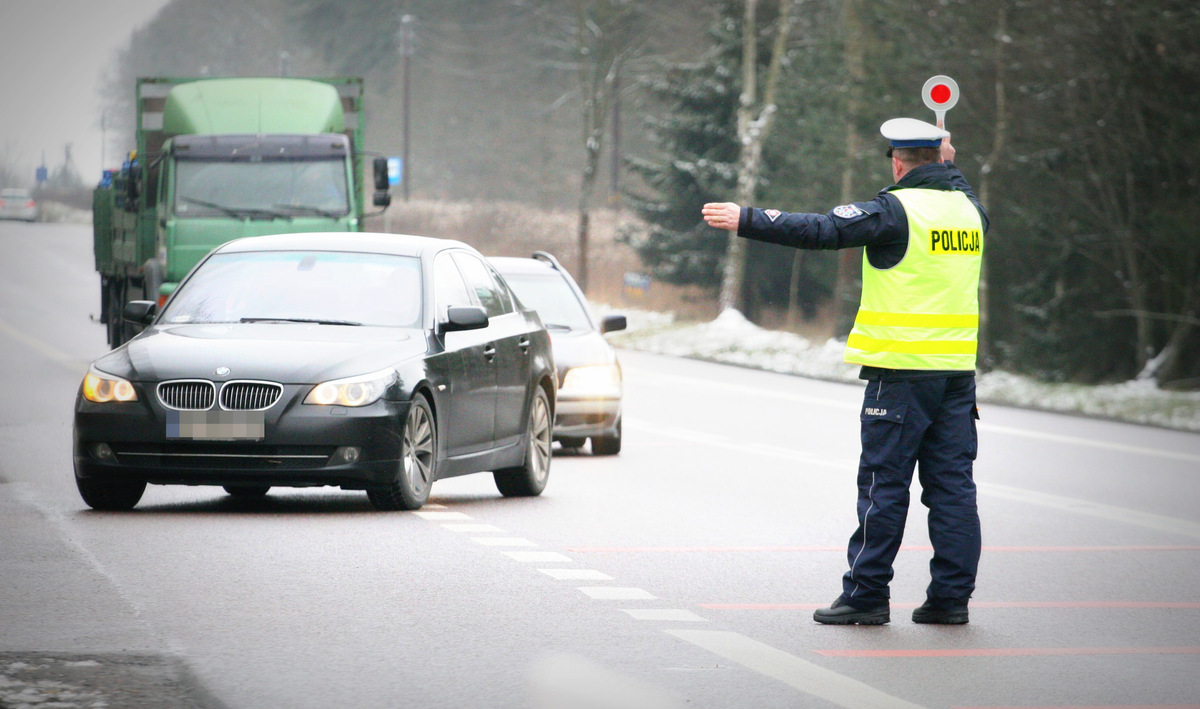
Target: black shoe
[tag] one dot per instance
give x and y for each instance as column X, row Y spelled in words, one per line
column 841, row 613
column 941, row 612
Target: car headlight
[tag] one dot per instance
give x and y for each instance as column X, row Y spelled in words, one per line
column 352, row 391
column 102, row 388
column 598, row 380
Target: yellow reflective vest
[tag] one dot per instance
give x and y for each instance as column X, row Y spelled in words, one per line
column 923, row 313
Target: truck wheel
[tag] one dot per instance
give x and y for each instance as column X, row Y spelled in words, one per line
column 529, row 479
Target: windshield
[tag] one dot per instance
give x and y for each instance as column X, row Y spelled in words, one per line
column 552, row 298
column 305, row 286
column 262, row 190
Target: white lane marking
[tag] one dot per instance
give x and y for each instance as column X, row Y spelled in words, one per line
column 1070, row 504
column 471, row 528
column 577, row 574
column 708, row 385
column 763, row 449
column 504, row 542
column 536, row 556
column 791, row 670
column 1148, row 520
column 433, row 506
column 617, row 593
column 51, row 353
column 441, row 516
column 670, row 614
column 1091, row 442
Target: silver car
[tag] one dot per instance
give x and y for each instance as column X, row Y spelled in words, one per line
column 17, row 203
column 589, row 376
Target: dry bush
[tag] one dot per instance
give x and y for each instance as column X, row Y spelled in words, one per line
column 511, row 229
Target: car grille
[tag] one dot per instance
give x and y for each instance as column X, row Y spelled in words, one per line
column 223, row 456
column 187, row 395
column 250, row 396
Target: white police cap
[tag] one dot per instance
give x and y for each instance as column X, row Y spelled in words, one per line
column 911, row 133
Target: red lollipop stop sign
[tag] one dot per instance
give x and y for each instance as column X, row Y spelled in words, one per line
column 940, row 94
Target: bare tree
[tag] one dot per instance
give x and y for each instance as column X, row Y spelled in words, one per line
column 754, row 125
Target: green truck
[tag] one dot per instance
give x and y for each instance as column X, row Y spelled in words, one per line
column 219, row 159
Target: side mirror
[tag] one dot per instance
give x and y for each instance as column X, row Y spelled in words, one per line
column 380, row 166
column 382, row 198
column 140, row 312
column 612, row 323
column 465, row 317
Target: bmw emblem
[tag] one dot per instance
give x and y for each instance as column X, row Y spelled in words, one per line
column 222, row 371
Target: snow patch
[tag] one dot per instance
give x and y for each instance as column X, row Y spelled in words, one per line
column 732, row 339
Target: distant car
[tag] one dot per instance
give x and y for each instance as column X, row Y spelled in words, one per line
column 589, row 375
column 17, row 203
column 374, row 362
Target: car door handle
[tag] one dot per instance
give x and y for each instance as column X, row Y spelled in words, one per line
column 524, row 343
column 489, row 351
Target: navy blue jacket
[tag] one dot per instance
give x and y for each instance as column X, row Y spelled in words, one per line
column 880, row 225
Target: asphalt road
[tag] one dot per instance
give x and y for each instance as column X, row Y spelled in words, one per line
column 682, row 573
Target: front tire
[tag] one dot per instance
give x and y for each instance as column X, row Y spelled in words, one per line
column 109, row 495
column 417, row 468
column 247, row 491
column 529, row 479
column 607, row 445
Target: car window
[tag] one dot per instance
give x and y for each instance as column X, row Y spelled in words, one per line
column 333, row 287
column 552, row 297
column 449, row 287
column 479, row 279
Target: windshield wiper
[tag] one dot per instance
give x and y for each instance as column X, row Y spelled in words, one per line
column 303, row 320
column 311, row 209
column 238, row 212
column 557, row 326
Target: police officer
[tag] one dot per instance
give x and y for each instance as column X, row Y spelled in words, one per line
column 915, row 337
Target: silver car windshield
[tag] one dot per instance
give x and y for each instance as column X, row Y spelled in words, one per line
column 267, row 189
column 324, row 287
column 552, row 298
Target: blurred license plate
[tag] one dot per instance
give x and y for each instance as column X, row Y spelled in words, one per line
column 216, row 425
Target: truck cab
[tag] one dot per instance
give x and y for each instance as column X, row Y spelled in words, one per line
column 221, row 159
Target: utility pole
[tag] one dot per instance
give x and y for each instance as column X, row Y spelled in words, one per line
column 406, row 52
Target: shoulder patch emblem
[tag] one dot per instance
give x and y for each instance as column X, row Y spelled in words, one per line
column 847, row 211
column 772, row 214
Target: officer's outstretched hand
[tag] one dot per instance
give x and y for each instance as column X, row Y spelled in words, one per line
column 722, row 215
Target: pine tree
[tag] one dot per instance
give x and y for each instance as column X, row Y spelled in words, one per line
column 695, row 135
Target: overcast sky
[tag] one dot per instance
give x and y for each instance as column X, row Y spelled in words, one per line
column 53, row 54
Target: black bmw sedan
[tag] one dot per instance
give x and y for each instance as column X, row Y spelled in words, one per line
column 374, row 362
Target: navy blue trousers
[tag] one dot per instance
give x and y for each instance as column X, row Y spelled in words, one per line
column 927, row 425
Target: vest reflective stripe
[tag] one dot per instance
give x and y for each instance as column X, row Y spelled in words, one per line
column 923, row 313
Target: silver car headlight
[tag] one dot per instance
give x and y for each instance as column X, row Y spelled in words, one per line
column 597, row 381
column 352, row 391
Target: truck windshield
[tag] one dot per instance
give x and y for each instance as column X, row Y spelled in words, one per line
column 269, row 189
column 321, row 287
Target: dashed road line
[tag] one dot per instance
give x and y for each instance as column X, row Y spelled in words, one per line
column 617, row 593
column 537, row 557
column 577, row 574
column 674, row 615
column 439, row 516
column 471, row 528
column 504, row 542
